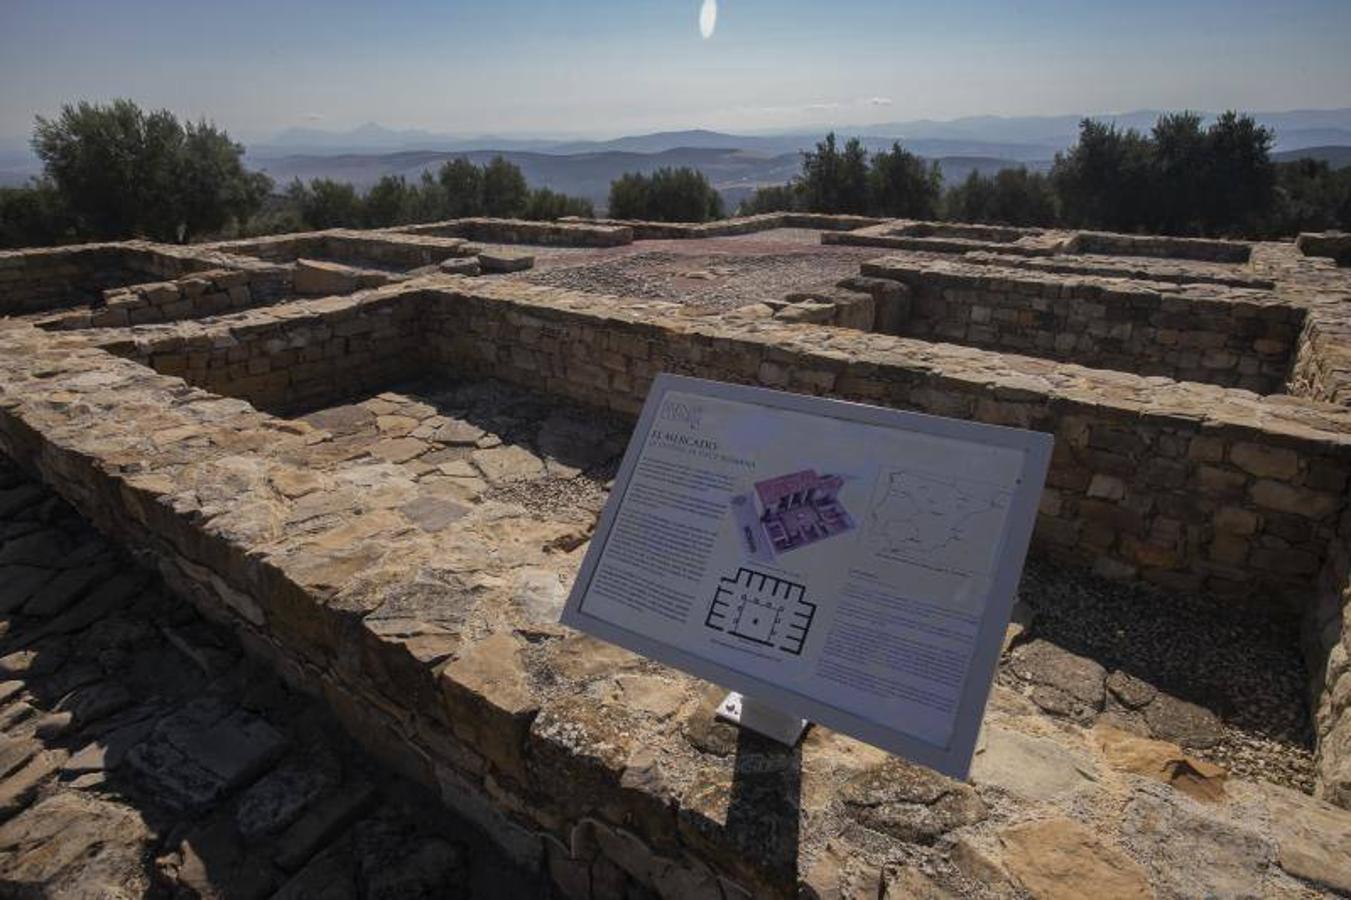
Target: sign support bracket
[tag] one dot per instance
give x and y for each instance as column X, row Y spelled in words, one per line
column 760, row 717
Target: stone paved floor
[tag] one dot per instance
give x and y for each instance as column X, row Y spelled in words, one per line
column 142, row 755
column 483, row 441
column 712, row 273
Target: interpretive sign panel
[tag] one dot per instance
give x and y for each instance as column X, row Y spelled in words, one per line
column 848, row 564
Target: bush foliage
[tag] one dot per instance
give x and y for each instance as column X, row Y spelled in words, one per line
column 116, row 171
column 667, row 195
column 1181, row 178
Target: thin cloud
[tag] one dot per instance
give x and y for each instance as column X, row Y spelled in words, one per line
column 879, row 101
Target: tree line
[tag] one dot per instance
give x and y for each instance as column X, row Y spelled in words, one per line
column 116, row 171
column 458, row 189
column 1180, row 178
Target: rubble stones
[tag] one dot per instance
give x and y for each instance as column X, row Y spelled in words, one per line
column 1064, row 684
column 109, row 819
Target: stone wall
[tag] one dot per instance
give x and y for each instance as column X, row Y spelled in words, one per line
column 940, row 237
column 1183, row 485
column 314, row 553
column 291, row 363
column 208, row 505
column 518, row 231
column 1155, row 245
column 650, row 231
column 207, row 293
column 1193, row 488
column 395, row 250
column 1237, row 337
column 59, row 277
column 1335, row 245
column 1327, row 648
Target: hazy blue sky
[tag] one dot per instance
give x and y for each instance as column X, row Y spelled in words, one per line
column 618, row 66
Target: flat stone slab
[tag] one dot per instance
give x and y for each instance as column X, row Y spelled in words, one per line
column 505, row 261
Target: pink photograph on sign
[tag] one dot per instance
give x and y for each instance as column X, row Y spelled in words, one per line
column 801, row 508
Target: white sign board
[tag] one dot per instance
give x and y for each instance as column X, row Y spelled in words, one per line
column 848, row 564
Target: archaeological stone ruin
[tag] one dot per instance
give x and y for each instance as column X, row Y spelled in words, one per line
column 374, row 459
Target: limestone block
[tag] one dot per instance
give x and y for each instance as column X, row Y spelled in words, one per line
column 323, row 278
column 1059, row 859
column 504, row 261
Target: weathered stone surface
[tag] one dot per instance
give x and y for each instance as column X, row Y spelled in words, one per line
column 539, row 594
column 503, row 261
column 910, row 802
column 1059, row 859
column 59, row 593
column 19, row 787
column 312, row 276
column 1161, row 761
column 1313, row 839
column 1220, row 856
column 213, row 863
column 1181, row 722
column 508, row 463
column 434, row 511
column 833, row 878
column 278, row 798
column 1030, row 767
column 204, row 750
column 72, row 844
column 1065, row 684
column 321, row 823
column 1130, row 691
column 19, row 583
column 489, row 702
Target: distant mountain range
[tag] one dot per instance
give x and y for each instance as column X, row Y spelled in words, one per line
column 1017, row 137
column 735, row 163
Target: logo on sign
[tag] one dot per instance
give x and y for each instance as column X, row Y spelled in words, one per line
column 688, row 414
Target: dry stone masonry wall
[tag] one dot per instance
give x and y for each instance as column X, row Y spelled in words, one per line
column 1238, row 337
column 402, row 551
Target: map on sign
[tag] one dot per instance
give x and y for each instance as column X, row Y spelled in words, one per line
column 946, row 522
column 842, row 563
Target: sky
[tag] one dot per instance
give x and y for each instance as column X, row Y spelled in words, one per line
column 602, row 68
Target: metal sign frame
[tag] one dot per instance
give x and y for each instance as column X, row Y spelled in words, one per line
column 953, row 759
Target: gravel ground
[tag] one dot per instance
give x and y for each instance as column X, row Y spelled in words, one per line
column 1243, row 668
column 710, row 280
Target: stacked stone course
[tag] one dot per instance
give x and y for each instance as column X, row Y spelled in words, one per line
column 1238, row 337
column 208, row 293
column 50, row 278
column 365, row 575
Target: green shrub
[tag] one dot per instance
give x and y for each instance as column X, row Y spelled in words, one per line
column 667, row 195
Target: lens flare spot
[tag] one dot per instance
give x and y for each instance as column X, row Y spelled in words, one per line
column 708, row 18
